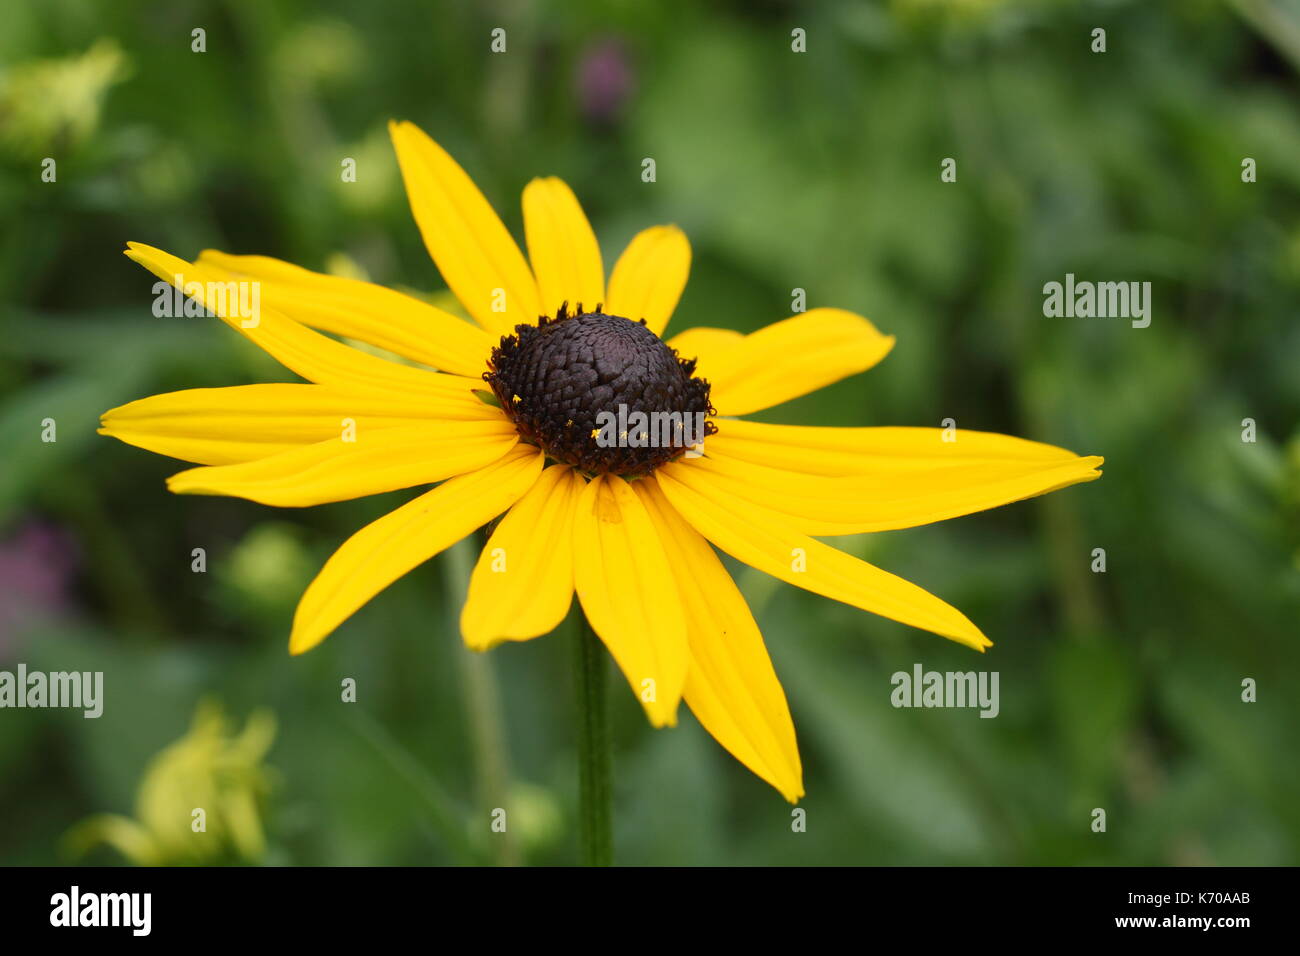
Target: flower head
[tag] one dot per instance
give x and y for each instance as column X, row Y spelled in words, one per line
column 559, row 379
column 630, row 527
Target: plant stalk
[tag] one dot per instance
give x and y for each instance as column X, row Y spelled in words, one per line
column 595, row 775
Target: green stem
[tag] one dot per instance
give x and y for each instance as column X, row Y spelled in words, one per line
column 595, row 777
column 482, row 706
column 446, row 820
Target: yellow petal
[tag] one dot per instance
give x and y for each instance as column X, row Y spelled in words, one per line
column 763, row 539
column 731, row 687
column 649, row 277
column 817, row 450
column 315, row 357
column 889, row 497
column 522, row 585
column 790, row 358
column 352, row 465
column 477, row 257
column 562, row 248
column 363, row 311
column 224, row 426
column 703, row 343
column 386, row 549
column 134, row 841
column 629, row 594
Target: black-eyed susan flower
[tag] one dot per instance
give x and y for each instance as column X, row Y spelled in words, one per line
column 511, row 417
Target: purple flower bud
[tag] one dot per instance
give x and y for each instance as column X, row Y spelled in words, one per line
column 604, row 80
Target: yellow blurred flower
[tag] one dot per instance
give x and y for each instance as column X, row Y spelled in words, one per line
column 51, row 102
column 210, row 775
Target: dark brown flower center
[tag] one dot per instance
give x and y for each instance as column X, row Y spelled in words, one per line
column 600, row 392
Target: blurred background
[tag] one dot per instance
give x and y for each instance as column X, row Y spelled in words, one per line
column 817, row 170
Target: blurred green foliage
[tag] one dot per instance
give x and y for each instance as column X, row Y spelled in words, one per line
column 818, row 171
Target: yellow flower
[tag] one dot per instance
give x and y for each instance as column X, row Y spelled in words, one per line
column 631, row 530
column 209, row 770
column 47, row 104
